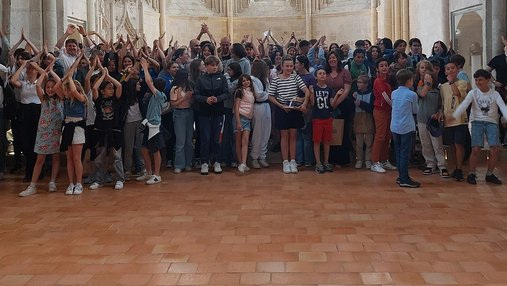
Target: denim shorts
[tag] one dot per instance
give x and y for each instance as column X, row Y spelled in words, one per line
column 481, row 128
column 246, row 123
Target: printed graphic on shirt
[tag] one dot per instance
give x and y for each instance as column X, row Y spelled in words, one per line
column 107, row 110
column 322, row 99
column 484, row 104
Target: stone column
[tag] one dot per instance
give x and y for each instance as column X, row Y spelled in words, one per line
column 405, row 28
column 397, row 20
column 49, row 21
column 90, row 15
column 230, row 20
column 388, row 19
column 374, row 21
column 498, row 23
column 308, row 19
column 445, row 24
column 162, row 23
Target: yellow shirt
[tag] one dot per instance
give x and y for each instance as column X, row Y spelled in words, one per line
column 451, row 102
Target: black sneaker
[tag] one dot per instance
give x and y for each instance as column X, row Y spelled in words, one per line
column 493, row 179
column 320, row 169
column 458, row 175
column 410, row 184
column 471, row 179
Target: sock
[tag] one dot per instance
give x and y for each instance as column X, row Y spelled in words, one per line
column 33, row 185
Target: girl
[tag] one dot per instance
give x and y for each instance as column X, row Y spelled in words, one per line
column 282, row 91
column 73, row 134
column 430, row 106
column 243, row 112
column 382, row 116
column 183, row 118
column 47, row 141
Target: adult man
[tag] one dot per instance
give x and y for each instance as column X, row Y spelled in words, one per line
column 415, row 55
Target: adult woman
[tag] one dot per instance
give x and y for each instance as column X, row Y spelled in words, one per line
column 371, row 57
column 282, row 92
column 261, row 122
column 440, row 53
column 340, row 81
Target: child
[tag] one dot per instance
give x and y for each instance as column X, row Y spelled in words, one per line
column 183, row 119
column 404, row 103
column 106, row 95
column 456, row 129
column 48, row 131
column 243, row 114
column 484, row 116
column 364, row 127
column 430, row 106
column 73, row 134
column 322, row 120
column 153, row 140
column 210, row 92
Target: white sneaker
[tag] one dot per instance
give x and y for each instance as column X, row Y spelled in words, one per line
column 204, row 169
column 264, row 163
column 177, row 170
column 246, row 168
column 359, row 164
column 118, row 185
column 51, row 187
column 293, row 167
column 255, row 164
column 78, row 189
column 241, row 168
column 143, row 177
column 388, row 166
column 30, row 190
column 70, row 189
column 368, row 164
column 154, row 180
column 286, row 167
column 217, row 169
column 377, row 167
column 94, row 186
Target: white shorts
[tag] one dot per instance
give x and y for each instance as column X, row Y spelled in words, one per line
column 79, row 133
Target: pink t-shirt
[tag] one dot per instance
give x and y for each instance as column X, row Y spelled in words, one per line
column 246, row 104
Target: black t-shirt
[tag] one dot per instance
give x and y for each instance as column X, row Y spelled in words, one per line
column 108, row 113
column 322, row 108
column 499, row 64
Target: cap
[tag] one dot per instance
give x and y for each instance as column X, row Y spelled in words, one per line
column 435, row 127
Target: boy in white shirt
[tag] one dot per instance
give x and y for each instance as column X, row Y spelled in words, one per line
column 484, row 117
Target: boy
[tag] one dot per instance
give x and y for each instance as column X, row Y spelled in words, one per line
column 453, row 92
column 322, row 121
column 364, row 126
column 210, row 92
column 404, row 106
column 153, row 140
column 484, row 117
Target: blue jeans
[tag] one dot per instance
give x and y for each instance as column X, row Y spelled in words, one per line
column 228, row 142
column 304, row 145
column 211, row 127
column 183, row 120
column 402, row 146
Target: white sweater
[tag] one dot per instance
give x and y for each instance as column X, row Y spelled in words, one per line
column 485, row 105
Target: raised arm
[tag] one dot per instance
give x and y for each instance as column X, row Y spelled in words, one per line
column 147, row 76
column 14, row 81
column 98, row 82
column 10, row 54
column 116, row 83
column 38, row 86
column 89, row 74
column 29, row 43
column 69, row 31
column 74, row 92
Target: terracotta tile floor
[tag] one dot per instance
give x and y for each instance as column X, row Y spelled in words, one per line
column 351, row 227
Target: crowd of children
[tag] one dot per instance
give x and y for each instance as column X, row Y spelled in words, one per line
column 205, row 107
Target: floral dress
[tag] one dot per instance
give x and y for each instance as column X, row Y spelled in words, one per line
column 49, row 129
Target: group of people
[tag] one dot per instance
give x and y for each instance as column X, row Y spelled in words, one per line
column 212, row 104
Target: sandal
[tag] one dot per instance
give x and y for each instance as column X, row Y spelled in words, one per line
column 444, row 173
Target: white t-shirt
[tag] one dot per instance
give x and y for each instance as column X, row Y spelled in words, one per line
column 67, row 60
column 28, row 93
column 485, row 105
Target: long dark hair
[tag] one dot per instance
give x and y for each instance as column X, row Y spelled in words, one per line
column 194, row 68
column 181, row 80
column 238, row 93
column 260, row 70
column 304, row 61
column 236, row 69
column 131, row 92
column 338, row 64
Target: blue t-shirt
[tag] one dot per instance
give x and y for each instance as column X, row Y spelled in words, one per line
column 404, row 106
column 154, row 111
column 322, row 108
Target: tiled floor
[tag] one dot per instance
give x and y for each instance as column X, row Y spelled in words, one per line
column 350, row 227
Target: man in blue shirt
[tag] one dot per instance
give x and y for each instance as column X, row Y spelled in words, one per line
column 404, row 106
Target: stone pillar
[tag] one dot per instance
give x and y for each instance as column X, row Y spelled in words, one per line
column 374, row 21
column 388, row 19
column 162, row 23
column 230, row 20
column 50, row 35
column 498, row 22
column 397, row 20
column 90, row 15
column 405, row 28
column 308, row 19
column 445, row 24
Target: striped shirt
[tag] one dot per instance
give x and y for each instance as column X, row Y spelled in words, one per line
column 284, row 90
